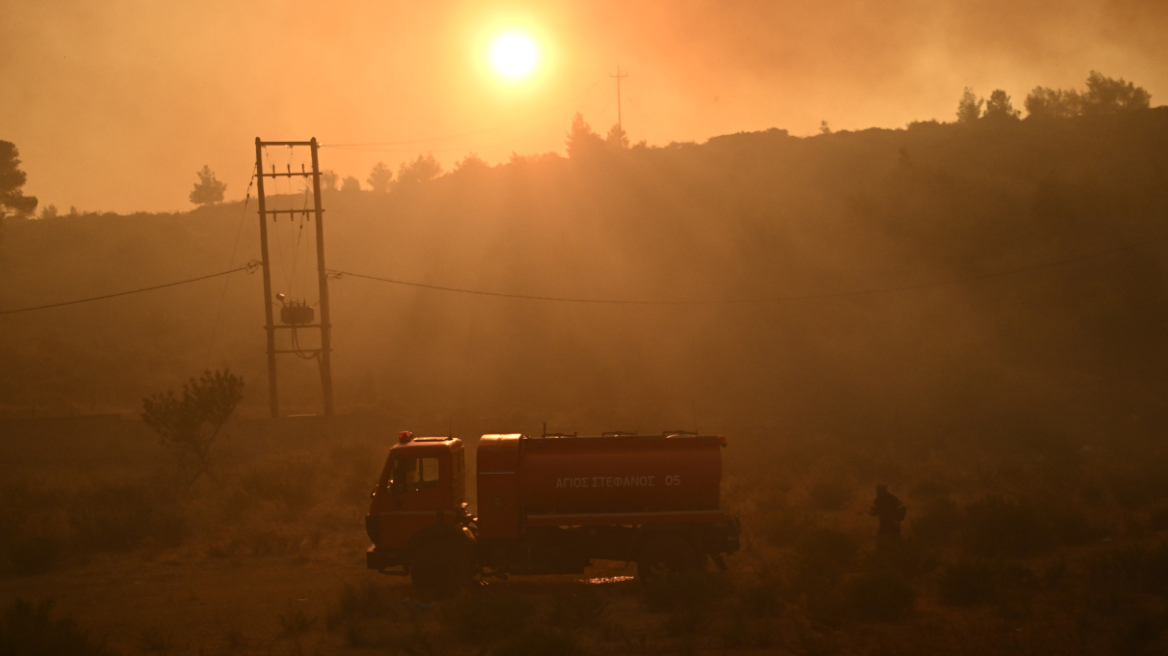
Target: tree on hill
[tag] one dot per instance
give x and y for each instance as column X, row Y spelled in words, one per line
column 380, row 177
column 11, row 180
column 582, row 141
column 999, row 107
column 1104, row 95
column 1044, row 103
column 328, row 180
column 208, row 190
column 422, row 169
column 617, row 138
column 472, row 163
column 969, row 107
column 190, row 424
column 350, row 183
column 1107, row 96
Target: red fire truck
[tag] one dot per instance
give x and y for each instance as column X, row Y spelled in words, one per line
column 548, row 505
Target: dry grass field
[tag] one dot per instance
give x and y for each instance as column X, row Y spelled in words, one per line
column 1026, row 552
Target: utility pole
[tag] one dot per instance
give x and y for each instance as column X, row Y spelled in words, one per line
column 620, row 126
column 294, row 316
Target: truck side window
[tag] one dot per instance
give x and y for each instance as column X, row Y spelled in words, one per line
column 413, row 474
column 429, row 473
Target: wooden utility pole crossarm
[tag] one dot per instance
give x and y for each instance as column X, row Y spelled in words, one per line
column 323, row 354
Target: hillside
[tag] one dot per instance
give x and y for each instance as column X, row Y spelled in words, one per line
column 997, row 280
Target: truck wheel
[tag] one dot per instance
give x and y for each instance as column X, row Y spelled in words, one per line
column 439, row 568
column 667, row 554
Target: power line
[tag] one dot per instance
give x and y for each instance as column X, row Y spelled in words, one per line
column 771, row 299
column 249, row 267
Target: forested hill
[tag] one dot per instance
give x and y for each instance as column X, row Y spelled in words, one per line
column 1003, row 279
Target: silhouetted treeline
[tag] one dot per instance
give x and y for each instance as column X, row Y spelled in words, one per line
column 996, row 279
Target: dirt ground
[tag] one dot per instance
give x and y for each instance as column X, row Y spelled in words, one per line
column 1017, row 552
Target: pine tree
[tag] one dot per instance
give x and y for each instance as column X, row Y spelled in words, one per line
column 207, row 190
column 11, row 180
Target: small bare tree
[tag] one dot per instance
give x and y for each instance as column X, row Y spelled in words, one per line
column 190, row 424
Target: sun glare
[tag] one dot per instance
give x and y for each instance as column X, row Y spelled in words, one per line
column 514, row 56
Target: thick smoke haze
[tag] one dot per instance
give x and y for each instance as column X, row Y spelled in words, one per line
column 115, row 105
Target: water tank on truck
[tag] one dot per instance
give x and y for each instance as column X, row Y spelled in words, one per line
column 549, row 505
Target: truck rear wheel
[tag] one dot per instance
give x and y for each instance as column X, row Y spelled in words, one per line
column 667, row 554
column 440, row 567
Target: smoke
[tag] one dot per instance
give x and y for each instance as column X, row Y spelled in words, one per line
column 115, row 105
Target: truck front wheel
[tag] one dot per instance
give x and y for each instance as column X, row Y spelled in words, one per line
column 440, row 567
column 667, row 554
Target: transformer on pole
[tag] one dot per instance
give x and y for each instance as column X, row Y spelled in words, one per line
column 297, row 314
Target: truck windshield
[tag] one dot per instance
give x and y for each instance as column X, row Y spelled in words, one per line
column 414, row 474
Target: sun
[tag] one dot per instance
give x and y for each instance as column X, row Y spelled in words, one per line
column 514, row 55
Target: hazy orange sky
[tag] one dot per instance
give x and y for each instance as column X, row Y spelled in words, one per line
column 116, row 104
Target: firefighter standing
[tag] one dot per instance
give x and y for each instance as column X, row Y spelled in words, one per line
column 889, row 509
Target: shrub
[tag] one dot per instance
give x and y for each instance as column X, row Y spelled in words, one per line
column 829, row 543
column 191, row 424
column 485, row 615
column 677, row 591
column 31, row 630
column 33, row 554
column 296, row 621
column 538, row 641
column 288, row 481
column 1071, row 526
column 937, row 521
column 1000, row 526
column 118, row 518
column 830, row 494
column 740, row 633
column 905, row 556
column 817, row 575
column 878, row 596
column 783, row 525
column 760, row 599
column 367, row 600
column 1135, row 569
column 968, row 583
column 583, row 606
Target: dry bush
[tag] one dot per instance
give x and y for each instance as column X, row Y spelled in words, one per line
column 537, row 641
column 582, row 607
column 1134, row 569
column 938, row 521
column 485, row 615
column 295, row 621
column 696, row 590
column 124, row 517
column 748, row 633
column 1000, row 526
column 829, row 543
column 883, row 596
column 782, row 525
column 761, row 598
column 968, row 583
column 290, row 482
column 831, row 495
column 31, row 630
column 906, row 556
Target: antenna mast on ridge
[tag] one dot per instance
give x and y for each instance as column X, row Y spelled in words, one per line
column 618, row 77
